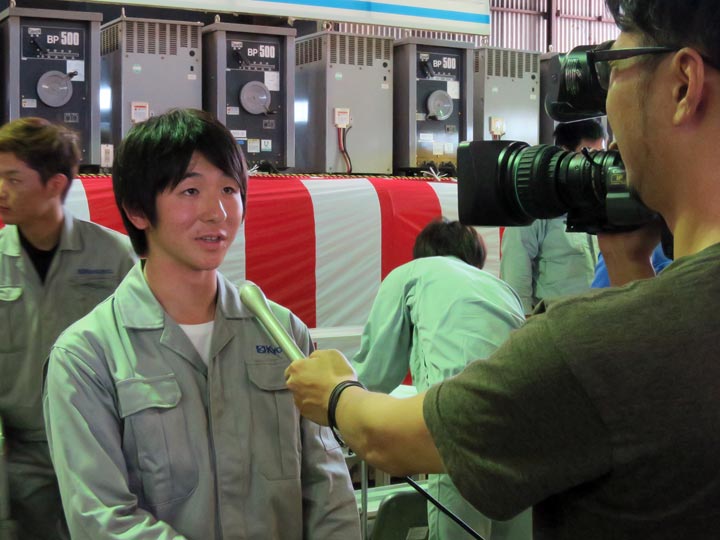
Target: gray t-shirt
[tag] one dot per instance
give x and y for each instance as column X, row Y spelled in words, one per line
column 603, row 413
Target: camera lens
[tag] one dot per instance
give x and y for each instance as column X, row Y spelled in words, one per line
column 512, row 183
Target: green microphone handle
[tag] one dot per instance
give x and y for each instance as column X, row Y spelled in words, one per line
column 254, row 299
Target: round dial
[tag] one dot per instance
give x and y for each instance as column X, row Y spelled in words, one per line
column 54, row 88
column 439, row 105
column 255, row 98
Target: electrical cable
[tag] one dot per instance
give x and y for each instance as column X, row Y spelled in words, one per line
column 347, row 154
column 442, row 508
column 342, row 133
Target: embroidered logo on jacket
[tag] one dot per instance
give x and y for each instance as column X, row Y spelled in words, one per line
column 268, row 349
column 94, row 271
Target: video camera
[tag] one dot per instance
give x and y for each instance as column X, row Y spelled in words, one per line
column 513, row 183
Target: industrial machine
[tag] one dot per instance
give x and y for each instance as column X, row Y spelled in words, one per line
column 344, row 85
column 248, row 84
column 148, row 67
column 507, row 95
column 547, row 124
column 433, row 104
column 51, row 69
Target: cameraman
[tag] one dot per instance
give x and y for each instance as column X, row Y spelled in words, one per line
column 603, row 412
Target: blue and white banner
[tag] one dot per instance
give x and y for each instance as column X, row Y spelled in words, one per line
column 466, row 16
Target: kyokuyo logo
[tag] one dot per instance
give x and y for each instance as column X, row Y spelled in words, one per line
column 268, row 349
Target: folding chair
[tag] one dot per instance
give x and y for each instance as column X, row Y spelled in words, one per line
column 401, row 516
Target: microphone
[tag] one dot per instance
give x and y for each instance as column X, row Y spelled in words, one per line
column 253, row 298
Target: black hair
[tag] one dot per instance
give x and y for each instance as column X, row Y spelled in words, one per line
column 442, row 237
column 155, row 155
column 672, row 23
column 46, row 148
column 570, row 134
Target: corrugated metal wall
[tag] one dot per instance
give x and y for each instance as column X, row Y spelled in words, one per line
column 521, row 24
column 583, row 22
column 518, row 24
column 400, row 33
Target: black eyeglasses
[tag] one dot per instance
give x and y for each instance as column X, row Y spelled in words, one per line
column 600, row 57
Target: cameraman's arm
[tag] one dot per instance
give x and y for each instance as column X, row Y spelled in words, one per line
column 628, row 254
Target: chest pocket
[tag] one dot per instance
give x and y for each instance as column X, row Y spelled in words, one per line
column 579, row 243
column 276, row 426
column 11, row 319
column 166, row 467
column 84, row 294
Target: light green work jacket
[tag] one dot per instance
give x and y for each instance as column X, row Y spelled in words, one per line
column 150, row 443
column 433, row 316
column 89, row 264
column 543, row 261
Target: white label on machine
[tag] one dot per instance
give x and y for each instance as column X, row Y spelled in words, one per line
column 233, row 111
column 266, row 145
column 272, row 80
column 137, row 68
column 192, row 77
column 384, row 86
column 449, row 148
column 342, row 117
column 453, row 89
column 533, row 97
column 139, row 111
column 253, row 146
column 427, row 137
column 239, row 133
column 29, row 103
column 106, row 155
column 79, row 67
column 438, row 149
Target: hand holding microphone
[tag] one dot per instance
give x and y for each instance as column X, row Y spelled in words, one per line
column 312, row 379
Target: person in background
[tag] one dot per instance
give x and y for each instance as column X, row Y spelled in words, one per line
column 166, row 407
column 53, row 270
column 434, row 315
column 633, row 242
column 603, row 411
column 543, row 260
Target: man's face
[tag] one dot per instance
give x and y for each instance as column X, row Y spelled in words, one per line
column 23, row 197
column 197, row 220
column 628, row 103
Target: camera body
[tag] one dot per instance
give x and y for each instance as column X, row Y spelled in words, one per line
column 506, row 183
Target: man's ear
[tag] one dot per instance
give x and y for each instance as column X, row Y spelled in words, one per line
column 57, row 184
column 688, row 71
column 137, row 218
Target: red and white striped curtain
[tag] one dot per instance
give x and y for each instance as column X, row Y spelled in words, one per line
column 319, row 246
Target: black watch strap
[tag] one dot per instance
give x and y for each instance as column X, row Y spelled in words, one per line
column 332, row 406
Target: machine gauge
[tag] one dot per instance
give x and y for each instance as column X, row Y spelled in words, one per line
column 52, row 43
column 54, row 88
column 438, row 66
column 439, row 105
column 255, row 98
column 247, row 55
